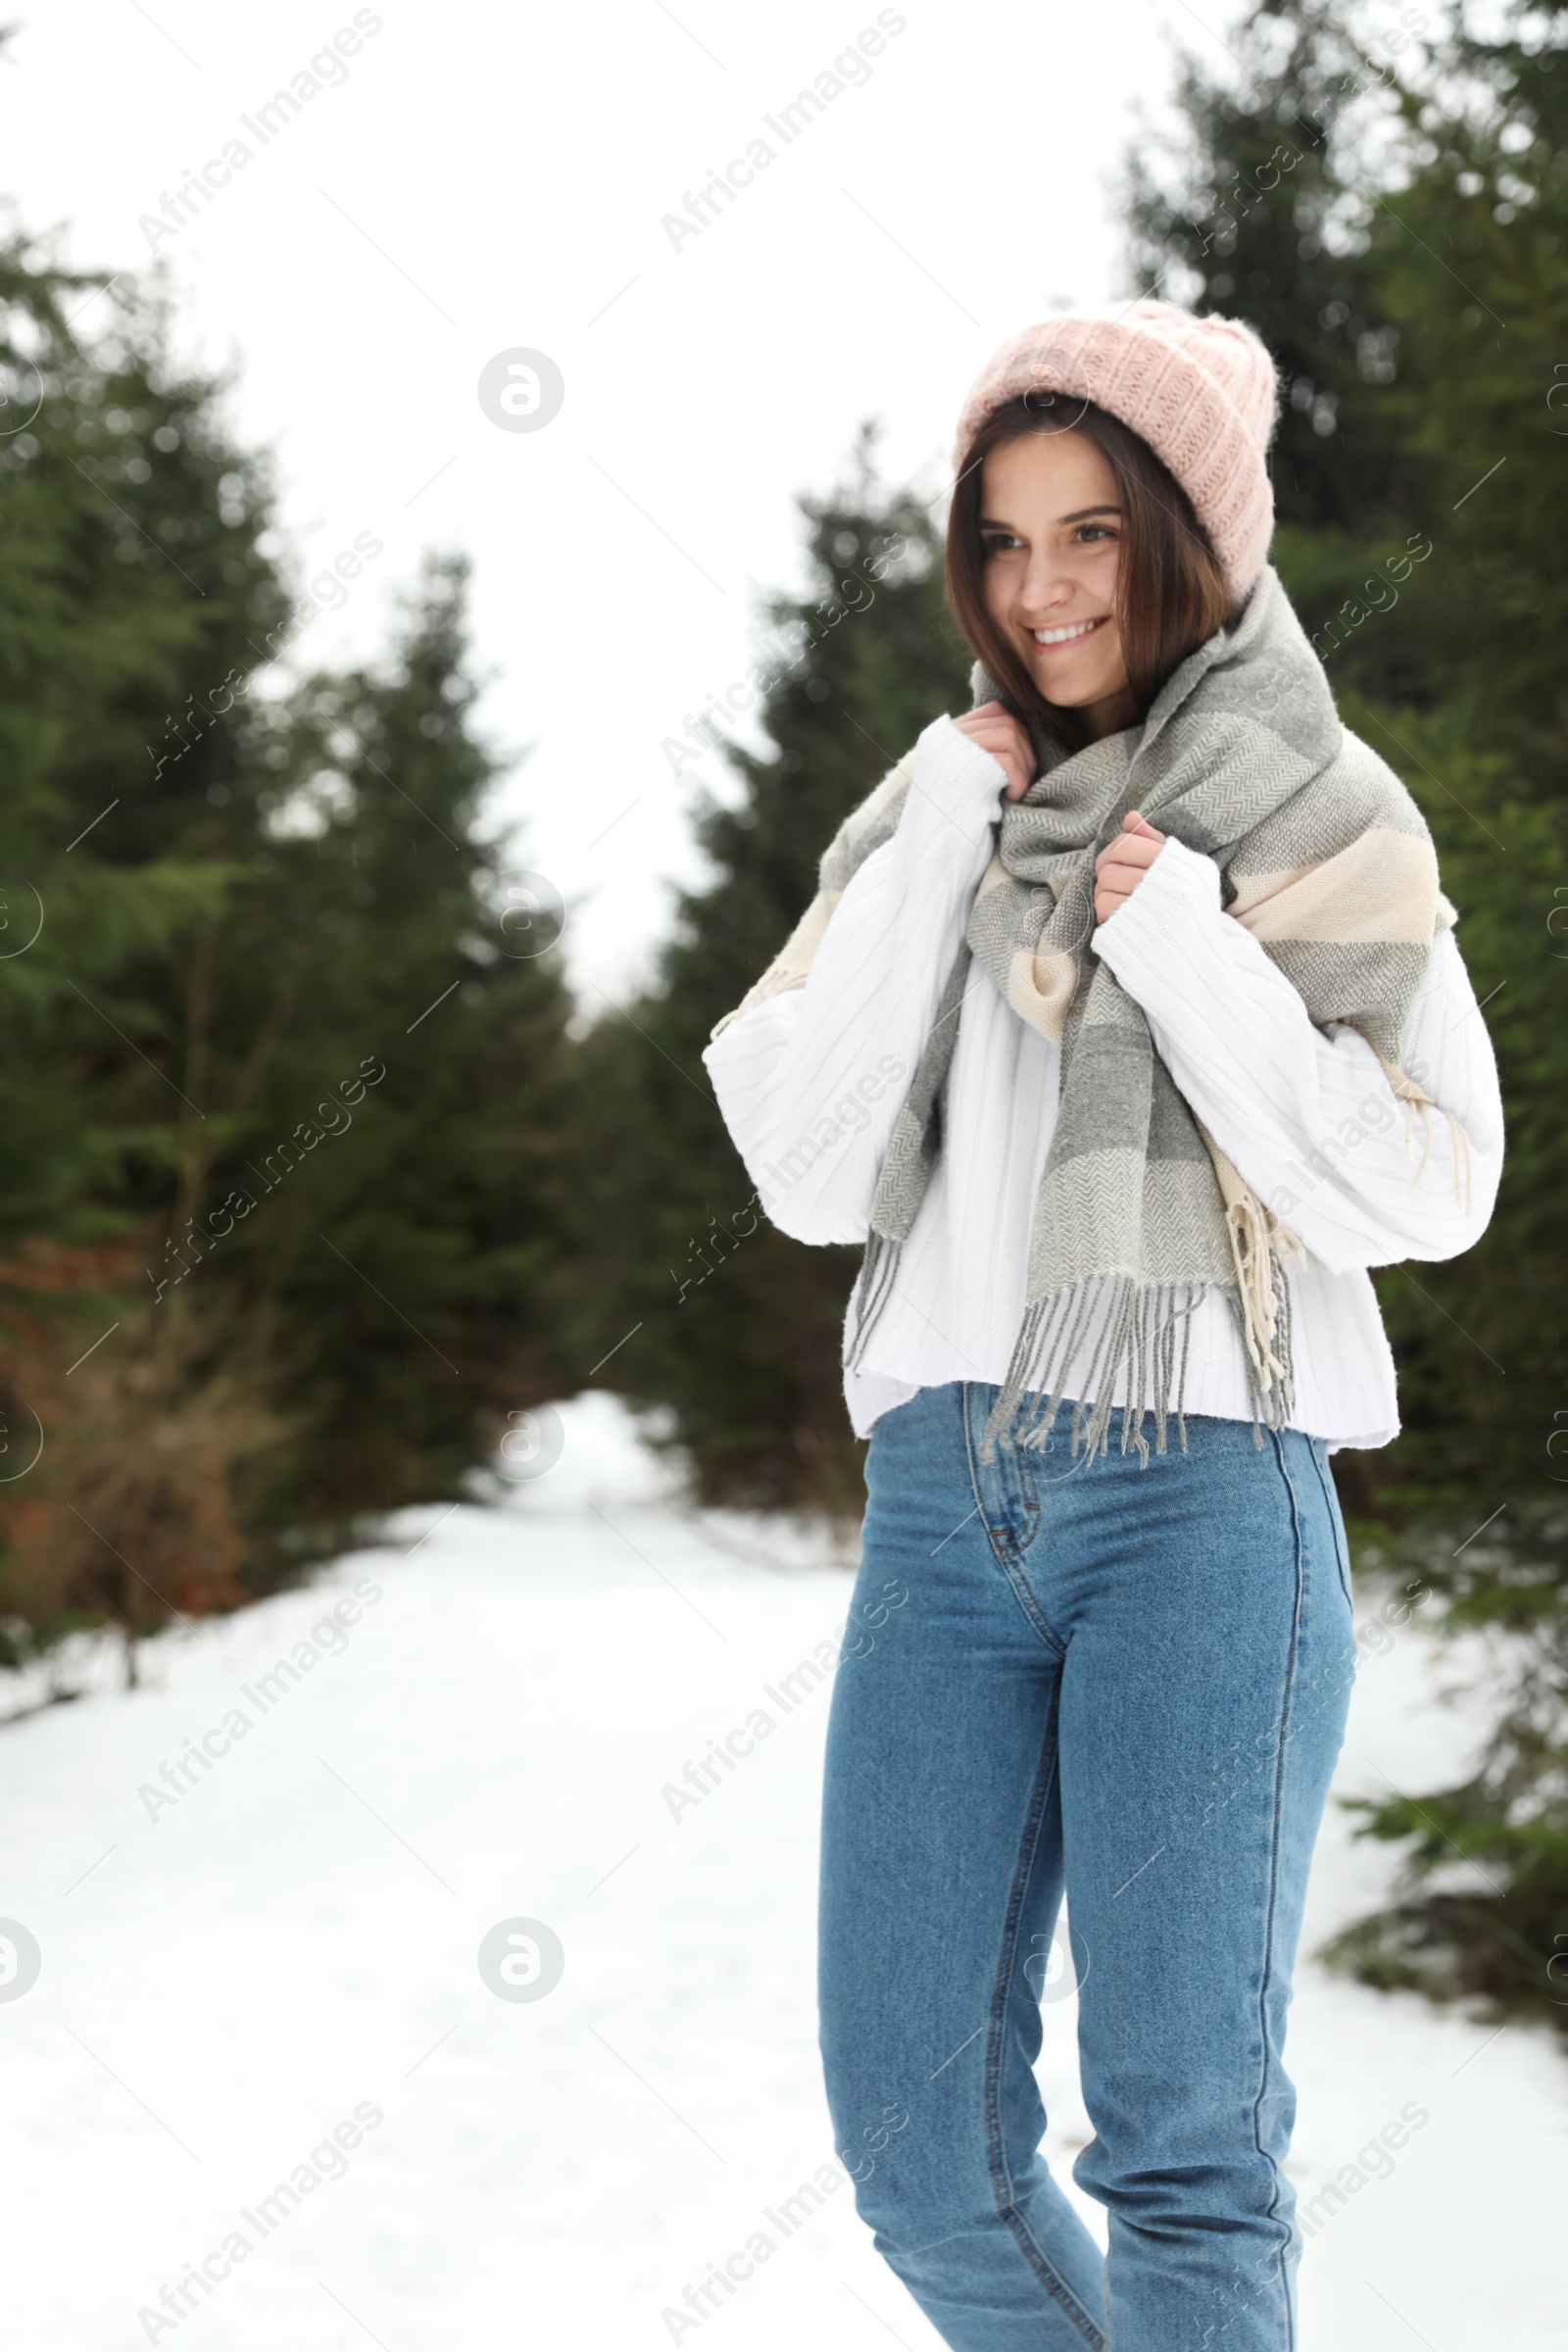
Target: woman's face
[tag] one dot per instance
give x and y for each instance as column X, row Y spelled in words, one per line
column 1051, row 530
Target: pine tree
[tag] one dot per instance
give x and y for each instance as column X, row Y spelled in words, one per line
column 735, row 1329
column 278, row 1178
column 395, row 1093
column 1395, row 224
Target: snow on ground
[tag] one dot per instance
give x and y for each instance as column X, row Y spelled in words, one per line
column 273, row 1977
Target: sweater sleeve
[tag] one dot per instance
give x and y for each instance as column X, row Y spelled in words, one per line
column 1305, row 1113
column 810, row 1081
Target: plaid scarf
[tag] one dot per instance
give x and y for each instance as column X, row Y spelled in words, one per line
column 1324, row 857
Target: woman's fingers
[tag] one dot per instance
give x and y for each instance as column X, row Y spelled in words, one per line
column 1003, row 743
column 1122, row 864
column 1135, row 852
column 997, row 732
column 987, row 720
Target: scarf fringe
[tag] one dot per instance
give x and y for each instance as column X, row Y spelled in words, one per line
column 1141, row 1345
column 1415, row 1098
column 1273, row 1394
column 873, row 1287
column 1258, row 1245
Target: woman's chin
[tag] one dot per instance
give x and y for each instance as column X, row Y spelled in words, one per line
column 1066, row 686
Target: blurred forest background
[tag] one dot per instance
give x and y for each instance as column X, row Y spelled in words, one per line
column 311, row 1172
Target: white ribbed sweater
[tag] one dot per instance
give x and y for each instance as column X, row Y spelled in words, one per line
column 809, row 1082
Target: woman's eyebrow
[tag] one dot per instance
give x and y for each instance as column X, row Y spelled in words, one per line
column 993, row 522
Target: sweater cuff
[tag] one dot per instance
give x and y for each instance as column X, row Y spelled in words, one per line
column 955, row 789
column 1180, row 890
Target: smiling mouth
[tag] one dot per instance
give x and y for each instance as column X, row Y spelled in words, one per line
column 1070, row 631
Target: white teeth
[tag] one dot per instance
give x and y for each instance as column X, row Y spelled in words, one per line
column 1077, row 628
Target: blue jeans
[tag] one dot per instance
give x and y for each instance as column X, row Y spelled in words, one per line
column 1129, row 1687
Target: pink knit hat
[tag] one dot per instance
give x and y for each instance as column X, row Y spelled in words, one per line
column 1201, row 392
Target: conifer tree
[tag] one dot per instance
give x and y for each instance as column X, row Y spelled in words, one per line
column 1394, row 219
column 738, row 1327
column 278, row 1175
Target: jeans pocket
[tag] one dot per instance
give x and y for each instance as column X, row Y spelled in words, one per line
column 1005, row 1491
column 1330, row 1503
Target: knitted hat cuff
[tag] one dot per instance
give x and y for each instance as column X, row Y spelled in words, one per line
column 1201, row 392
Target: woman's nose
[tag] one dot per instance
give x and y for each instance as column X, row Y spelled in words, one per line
column 1044, row 591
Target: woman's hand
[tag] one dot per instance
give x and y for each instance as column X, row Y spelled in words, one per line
column 997, row 732
column 1120, row 868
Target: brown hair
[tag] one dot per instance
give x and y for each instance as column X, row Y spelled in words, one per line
column 1171, row 594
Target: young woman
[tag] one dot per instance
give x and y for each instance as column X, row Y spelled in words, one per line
column 1127, row 1031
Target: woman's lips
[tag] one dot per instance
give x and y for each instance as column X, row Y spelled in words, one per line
column 1067, row 632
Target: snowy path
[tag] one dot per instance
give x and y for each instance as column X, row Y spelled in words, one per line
column 233, row 1989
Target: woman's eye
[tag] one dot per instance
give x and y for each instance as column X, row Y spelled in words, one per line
column 998, row 543
column 1095, row 531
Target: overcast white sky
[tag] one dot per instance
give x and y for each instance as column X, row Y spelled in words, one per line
column 487, row 177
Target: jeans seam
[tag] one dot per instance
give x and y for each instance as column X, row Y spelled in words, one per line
column 1006, row 1546
column 1342, row 1554
column 997, row 2043
column 1031, row 1607
column 1273, row 2214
